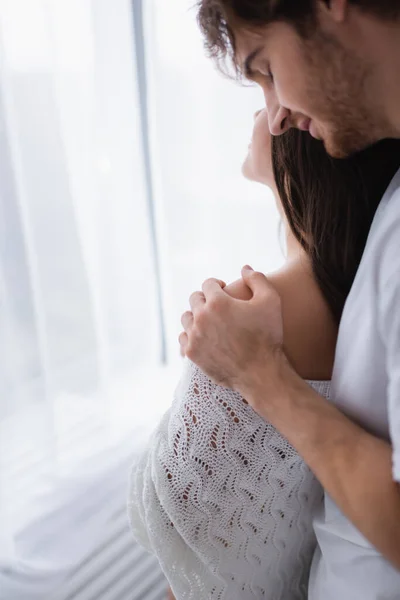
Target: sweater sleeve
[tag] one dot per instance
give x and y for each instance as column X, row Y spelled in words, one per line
column 223, row 500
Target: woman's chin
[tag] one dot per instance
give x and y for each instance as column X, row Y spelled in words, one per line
column 249, row 174
column 253, row 174
column 246, row 170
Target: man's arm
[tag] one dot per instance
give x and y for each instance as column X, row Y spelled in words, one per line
column 239, row 345
column 354, row 467
column 170, row 595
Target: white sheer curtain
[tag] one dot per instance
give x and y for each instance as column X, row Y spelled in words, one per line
column 84, row 308
column 78, row 291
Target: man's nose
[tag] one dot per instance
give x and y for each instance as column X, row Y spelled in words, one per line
column 278, row 115
column 279, row 120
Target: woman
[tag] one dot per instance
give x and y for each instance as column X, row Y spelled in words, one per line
column 220, row 497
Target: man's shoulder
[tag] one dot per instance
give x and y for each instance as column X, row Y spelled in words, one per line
column 383, row 247
column 389, row 207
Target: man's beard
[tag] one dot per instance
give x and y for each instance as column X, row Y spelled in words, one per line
column 347, row 123
column 342, row 142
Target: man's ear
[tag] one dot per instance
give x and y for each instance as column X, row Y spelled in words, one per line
column 334, row 9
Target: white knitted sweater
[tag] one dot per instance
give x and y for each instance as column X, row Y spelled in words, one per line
column 223, row 500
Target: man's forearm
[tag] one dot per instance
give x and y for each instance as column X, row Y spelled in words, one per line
column 354, row 467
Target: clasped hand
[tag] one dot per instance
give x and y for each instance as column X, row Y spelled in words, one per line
column 234, row 333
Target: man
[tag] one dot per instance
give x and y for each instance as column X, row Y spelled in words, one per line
column 333, row 68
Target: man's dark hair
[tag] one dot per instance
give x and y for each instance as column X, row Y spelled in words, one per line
column 216, row 18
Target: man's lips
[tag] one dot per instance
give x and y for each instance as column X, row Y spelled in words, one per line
column 304, row 124
column 309, row 125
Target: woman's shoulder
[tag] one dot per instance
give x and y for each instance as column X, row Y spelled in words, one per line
column 310, row 331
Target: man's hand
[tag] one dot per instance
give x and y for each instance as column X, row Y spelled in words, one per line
column 233, row 339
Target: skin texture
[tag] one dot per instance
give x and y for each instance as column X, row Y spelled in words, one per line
column 240, row 344
column 340, row 100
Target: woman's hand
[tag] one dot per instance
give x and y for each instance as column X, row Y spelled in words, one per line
column 238, row 290
column 235, row 342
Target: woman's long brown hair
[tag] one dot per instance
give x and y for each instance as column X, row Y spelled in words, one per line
column 330, row 204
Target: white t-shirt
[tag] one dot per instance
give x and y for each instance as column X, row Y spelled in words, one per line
column 365, row 386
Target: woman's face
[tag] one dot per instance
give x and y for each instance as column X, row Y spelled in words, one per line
column 258, row 163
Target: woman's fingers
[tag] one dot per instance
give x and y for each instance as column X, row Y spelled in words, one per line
column 183, row 342
column 196, row 300
column 212, row 286
column 187, row 320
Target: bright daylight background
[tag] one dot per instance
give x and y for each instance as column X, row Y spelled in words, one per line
column 120, row 192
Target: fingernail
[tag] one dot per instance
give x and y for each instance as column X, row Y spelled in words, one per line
column 248, row 268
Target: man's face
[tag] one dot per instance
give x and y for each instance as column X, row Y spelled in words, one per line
column 314, row 85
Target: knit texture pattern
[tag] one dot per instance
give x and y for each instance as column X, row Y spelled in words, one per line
column 223, row 500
